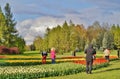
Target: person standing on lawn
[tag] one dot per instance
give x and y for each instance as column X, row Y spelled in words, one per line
column 44, row 56
column 118, row 53
column 53, row 55
column 107, row 54
column 90, row 54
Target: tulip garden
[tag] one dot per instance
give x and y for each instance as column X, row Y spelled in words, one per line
column 30, row 67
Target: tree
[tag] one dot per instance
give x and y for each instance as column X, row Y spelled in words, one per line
column 79, row 36
column 9, row 36
column 94, row 43
column 32, row 47
column 38, row 43
column 20, row 43
column 116, row 33
column 2, row 25
column 10, row 32
column 99, row 40
column 46, row 38
column 71, row 23
column 108, row 40
column 93, row 31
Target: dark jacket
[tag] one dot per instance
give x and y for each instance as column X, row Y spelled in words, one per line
column 90, row 51
column 44, row 53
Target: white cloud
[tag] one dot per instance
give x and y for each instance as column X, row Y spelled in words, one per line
column 29, row 29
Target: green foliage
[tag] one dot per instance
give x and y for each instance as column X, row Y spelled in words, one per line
column 116, row 34
column 20, row 43
column 67, row 37
column 64, row 38
column 2, row 24
column 10, row 32
column 38, row 43
column 99, row 40
column 93, row 31
column 9, row 36
column 108, row 40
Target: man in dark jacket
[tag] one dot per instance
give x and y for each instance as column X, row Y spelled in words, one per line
column 90, row 52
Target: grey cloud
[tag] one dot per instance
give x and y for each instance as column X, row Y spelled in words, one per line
column 106, row 4
column 71, row 11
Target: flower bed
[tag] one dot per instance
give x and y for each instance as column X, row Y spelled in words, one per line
column 34, row 60
column 72, row 57
column 40, row 71
column 2, row 56
column 96, row 61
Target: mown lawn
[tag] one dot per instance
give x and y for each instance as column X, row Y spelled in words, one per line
column 110, row 72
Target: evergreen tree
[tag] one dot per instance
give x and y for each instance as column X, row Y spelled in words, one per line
column 108, row 40
column 99, row 40
column 71, row 23
column 10, row 33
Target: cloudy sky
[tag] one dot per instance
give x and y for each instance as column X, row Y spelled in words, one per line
column 34, row 16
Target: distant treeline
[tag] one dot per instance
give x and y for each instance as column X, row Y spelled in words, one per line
column 68, row 37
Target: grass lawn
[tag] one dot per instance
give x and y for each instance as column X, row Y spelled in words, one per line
column 110, row 72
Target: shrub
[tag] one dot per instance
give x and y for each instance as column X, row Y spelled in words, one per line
column 12, row 50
